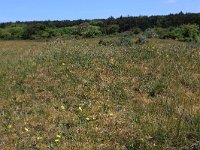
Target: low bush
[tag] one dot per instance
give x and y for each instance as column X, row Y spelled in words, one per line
column 136, row 30
column 189, row 32
column 151, row 33
column 127, row 34
column 124, row 41
column 142, row 39
column 111, row 29
column 91, row 31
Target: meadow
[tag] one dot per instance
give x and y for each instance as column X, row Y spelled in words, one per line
column 77, row 94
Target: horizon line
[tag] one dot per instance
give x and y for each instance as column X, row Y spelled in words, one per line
column 87, row 19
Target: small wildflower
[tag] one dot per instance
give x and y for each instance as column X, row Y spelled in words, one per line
column 80, row 109
column 63, row 64
column 9, row 126
column 39, row 138
column 112, row 61
column 111, row 114
column 94, row 118
column 58, row 136
column 57, row 140
column 26, row 129
column 62, row 107
column 87, row 119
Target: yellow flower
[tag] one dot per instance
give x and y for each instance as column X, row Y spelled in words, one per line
column 80, row 109
column 39, row 138
column 63, row 64
column 111, row 114
column 26, row 129
column 112, row 61
column 62, row 107
column 9, row 126
column 58, row 136
column 87, row 119
column 57, row 140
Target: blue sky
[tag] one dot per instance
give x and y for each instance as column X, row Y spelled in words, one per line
column 27, row 10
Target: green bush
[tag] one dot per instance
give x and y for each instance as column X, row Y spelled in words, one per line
column 111, row 29
column 51, row 32
column 45, row 34
column 91, row 31
column 126, row 34
column 163, row 32
column 5, row 34
column 71, row 30
column 136, row 30
column 189, row 32
column 125, row 41
column 34, row 31
column 151, row 33
column 11, row 33
column 198, row 39
column 96, row 23
column 86, row 30
column 142, row 39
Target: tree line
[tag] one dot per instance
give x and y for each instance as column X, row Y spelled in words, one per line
column 167, row 26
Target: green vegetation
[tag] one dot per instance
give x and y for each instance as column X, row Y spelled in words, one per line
column 77, row 94
column 122, row 83
column 182, row 27
column 182, row 33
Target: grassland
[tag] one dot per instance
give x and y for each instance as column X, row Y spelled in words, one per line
column 80, row 95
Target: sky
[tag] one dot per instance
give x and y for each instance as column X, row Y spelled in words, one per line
column 32, row 10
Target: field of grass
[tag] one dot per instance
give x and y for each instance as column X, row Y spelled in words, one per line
column 81, row 95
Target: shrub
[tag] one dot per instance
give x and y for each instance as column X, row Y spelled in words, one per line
column 96, row 23
column 198, row 39
column 126, row 33
column 187, row 32
column 71, row 30
column 142, row 39
column 124, row 41
column 91, row 31
column 33, row 31
column 103, row 42
column 190, row 32
column 86, row 30
column 52, row 32
column 45, row 34
column 4, row 34
column 108, row 42
column 136, row 30
column 151, row 33
column 162, row 32
column 112, row 29
column 11, row 33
